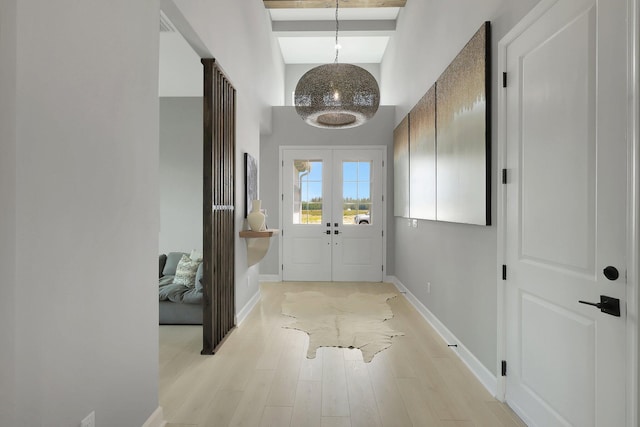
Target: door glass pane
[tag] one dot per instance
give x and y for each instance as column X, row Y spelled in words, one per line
column 307, row 191
column 356, row 192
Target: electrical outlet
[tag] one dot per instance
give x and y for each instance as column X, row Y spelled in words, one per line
column 428, row 287
column 89, row 421
column 414, row 223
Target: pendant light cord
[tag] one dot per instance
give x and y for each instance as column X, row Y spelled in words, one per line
column 337, row 27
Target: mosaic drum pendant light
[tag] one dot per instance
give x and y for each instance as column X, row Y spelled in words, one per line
column 337, row 96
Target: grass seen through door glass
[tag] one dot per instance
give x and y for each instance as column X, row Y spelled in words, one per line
column 315, row 216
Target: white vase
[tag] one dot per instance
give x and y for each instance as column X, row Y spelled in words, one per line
column 255, row 217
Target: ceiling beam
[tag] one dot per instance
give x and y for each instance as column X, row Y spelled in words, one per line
column 328, row 4
column 323, row 28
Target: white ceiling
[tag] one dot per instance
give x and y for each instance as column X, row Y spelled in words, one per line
column 320, row 50
column 307, row 36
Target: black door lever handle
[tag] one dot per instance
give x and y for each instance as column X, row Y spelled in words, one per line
column 591, row 303
column 606, row 305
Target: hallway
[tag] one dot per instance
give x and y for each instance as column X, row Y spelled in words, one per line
column 260, row 376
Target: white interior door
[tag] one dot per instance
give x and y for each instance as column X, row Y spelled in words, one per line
column 566, row 214
column 332, row 207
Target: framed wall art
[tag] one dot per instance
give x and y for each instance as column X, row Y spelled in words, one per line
column 463, row 135
column 250, row 182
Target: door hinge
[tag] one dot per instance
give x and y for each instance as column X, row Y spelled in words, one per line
column 382, row 233
column 504, row 272
column 504, row 176
column 504, row 79
column 282, row 267
column 504, row 368
column 383, row 163
column 282, row 232
column 383, row 197
column 283, row 163
column 382, row 267
column 282, row 197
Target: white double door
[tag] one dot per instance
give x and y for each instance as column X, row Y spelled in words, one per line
column 566, row 215
column 325, row 191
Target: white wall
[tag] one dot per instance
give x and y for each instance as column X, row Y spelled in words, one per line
column 290, row 130
column 253, row 63
column 180, row 174
column 293, row 72
column 459, row 260
column 79, row 211
column 8, row 33
column 180, row 67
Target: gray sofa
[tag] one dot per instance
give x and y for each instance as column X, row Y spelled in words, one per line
column 179, row 304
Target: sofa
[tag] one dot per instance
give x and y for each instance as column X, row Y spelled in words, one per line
column 180, row 304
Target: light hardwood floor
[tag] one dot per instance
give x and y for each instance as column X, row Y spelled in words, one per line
column 261, row 377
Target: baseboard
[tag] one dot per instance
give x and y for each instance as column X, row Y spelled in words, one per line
column 486, row 378
column 269, row 278
column 156, row 419
column 244, row 312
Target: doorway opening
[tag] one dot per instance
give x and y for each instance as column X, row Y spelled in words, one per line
column 200, row 165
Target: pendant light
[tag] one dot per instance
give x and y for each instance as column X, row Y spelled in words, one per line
column 337, row 96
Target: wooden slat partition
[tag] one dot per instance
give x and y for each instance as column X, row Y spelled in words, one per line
column 219, row 207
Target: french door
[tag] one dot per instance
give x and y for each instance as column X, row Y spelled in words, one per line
column 332, row 214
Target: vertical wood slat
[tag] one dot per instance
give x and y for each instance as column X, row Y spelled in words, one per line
column 219, row 207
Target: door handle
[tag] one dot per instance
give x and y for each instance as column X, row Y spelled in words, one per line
column 607, row 305
column 611, row 273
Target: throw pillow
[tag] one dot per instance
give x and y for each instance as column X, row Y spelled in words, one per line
column 186, row 272
column 173, row 258
column 196, row 255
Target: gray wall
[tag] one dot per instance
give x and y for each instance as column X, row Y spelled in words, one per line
column 79, row 213
column 180, row 174
column 8, row 220
column 290, row 130
column 293, row 72
column 460, row 261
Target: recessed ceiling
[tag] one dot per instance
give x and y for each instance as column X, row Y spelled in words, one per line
column 321, row 50
column 307, row 35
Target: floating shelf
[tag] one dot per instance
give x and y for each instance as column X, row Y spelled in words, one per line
column 257, row 244
column 257, row 234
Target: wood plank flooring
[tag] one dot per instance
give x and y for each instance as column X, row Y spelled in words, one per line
column 261, row 377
